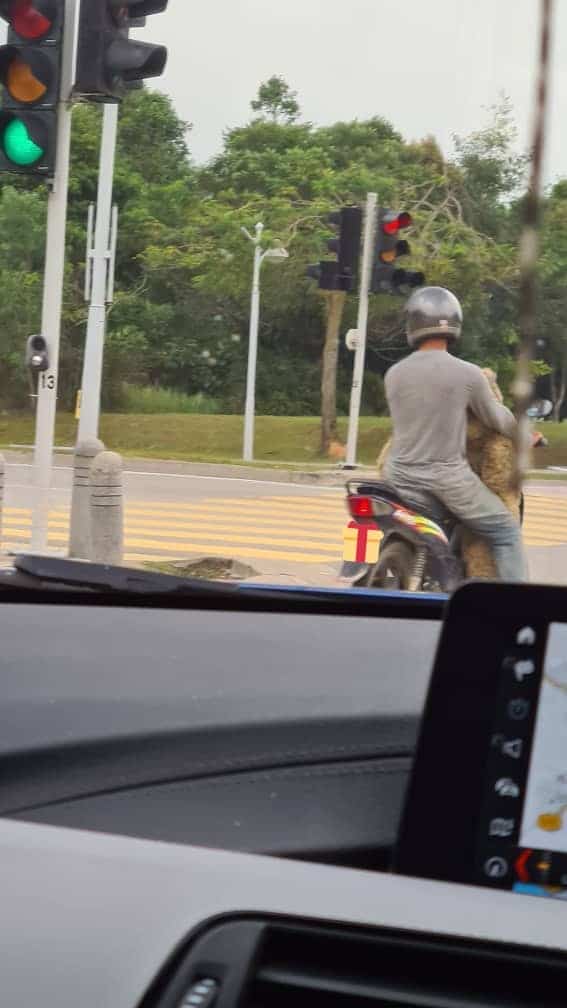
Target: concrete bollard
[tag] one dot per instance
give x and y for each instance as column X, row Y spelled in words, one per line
column 79, row 535
column 106, row 509
column 2, row 472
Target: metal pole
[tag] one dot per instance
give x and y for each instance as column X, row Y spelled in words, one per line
column 248, row 453
column 53, row 289
column 360, row 353
column 94, row 346
column 89, row 256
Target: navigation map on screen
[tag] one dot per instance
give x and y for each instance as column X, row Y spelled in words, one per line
column 544, row 820
column 543, row 828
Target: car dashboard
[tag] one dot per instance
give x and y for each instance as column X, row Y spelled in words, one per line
column 275, row 733
column 199, row 808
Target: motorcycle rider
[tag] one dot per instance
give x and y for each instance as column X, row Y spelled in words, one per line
column 428, row 394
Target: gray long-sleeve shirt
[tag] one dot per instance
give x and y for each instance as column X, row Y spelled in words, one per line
column 428, row 394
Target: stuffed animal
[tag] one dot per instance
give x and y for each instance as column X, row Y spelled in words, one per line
column 490, row 456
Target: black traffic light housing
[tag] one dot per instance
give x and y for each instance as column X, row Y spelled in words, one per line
column 37, row 354
column 388, row 248
column 109, row 63
column 342, row 273
column 325, row 274
column 30, row 75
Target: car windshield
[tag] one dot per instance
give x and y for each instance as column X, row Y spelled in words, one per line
column 272, row 310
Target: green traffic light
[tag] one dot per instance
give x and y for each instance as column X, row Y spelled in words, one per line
column 19, row 146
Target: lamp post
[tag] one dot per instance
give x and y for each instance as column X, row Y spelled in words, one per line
column 249, row 409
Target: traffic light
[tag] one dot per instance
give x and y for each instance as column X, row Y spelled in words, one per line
column 37, row 354
column 108, row 62
column 388, row 248
column 346, row 245
column 325, row 274
column 342, row 273
column 30, row 71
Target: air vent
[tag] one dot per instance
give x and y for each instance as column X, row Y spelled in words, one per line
column 333, row 969
column 266, row 964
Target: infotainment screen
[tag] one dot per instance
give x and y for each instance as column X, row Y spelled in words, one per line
column 542, row 860
column 487, row 803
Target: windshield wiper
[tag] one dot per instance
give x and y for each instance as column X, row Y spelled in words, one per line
column 40, row 572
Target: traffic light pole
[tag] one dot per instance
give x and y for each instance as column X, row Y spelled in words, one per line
column 250, row 403
column 102, row 267
column 260, row 254
column 53, row 290
column 361, row 327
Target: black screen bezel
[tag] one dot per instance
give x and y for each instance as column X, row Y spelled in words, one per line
column 439, row 832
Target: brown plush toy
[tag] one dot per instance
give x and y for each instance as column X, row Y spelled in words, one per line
column 490, row 456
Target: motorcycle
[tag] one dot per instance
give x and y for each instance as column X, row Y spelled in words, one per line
column 414, row 552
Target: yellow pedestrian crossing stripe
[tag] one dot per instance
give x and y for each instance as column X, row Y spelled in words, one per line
column 301, row 528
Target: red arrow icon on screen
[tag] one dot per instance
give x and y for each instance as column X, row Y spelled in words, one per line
column 521, row 865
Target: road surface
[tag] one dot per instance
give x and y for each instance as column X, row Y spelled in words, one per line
column 282, row 530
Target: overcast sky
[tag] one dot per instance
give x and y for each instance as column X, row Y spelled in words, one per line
column 429, row 67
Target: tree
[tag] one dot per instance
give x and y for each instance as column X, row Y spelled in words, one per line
column 492, row 170
column 180, row 314
column 276, row 101
column 335, row 301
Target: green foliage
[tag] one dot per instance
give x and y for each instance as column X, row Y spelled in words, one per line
column 179, row 321
column 159, row 400
column 276, row 100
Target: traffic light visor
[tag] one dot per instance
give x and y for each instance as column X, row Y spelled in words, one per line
column 407, row 279
column 144, row 8
column 32, row 19
column 395, row 224
column 21, row 143
column 25, row 74
column 401, row 248
column 136, row 60
column 37, row 353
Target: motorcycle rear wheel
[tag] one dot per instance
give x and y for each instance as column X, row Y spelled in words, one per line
column 393, row 568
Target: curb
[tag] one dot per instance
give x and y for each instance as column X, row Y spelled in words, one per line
column 332, row 476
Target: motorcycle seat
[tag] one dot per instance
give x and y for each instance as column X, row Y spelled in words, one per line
column 388, row 493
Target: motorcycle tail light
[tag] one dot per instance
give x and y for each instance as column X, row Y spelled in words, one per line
column 361, row 507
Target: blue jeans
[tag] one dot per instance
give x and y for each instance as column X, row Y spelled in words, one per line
column 456, row 491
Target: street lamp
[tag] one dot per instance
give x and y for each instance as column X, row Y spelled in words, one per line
column 276, row 253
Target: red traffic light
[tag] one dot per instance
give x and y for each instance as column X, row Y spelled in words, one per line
column 32, row 19
column 395, row 224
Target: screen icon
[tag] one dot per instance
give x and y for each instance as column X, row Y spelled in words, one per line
column 518, row 709
column 543, row 866
column 496, row 867
column 521, row 865
column 521, row 667
column 501, row 827
column 526, row 637
column 507, row 788
column 512, row 748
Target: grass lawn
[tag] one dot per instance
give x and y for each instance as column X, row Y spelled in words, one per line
column 213, row 438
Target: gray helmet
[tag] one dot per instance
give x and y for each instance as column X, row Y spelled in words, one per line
column 433, row 311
